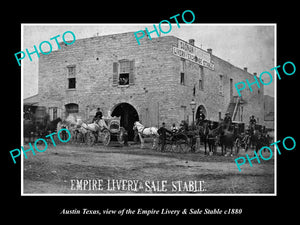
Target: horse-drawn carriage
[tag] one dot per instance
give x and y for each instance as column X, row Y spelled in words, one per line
column 105, row 133
column 179, row 140
column 101, row 130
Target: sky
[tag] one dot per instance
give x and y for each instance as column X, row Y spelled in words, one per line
column 243, row 45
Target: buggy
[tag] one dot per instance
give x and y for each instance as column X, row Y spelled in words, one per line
column 182, row 140
column 104, row 134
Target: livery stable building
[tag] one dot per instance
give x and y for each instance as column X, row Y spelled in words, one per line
column 153, row 82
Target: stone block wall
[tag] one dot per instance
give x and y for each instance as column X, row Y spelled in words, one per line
column 156, row 94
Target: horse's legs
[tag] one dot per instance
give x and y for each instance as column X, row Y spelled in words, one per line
column 142, row 140
column 155, row 141
column 210, row 147
column 214, row 147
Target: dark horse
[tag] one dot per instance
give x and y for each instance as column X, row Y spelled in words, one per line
column 227, row 137
column 52, row 125
column 34, row 130
column 259, row 140
column 208, row 135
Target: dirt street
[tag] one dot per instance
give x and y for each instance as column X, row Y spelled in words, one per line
column 78, row 169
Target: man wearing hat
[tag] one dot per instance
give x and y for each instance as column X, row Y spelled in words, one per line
column 163, row 131
column 98, row 115
column 201, row 118
column 252, row 122
column 227, row 120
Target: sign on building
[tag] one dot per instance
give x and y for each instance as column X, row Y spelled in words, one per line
column 193, row 54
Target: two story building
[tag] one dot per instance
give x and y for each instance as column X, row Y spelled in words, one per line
column 153, row 82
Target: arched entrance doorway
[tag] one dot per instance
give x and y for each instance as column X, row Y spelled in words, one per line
column 202, row 109
column 128, row 116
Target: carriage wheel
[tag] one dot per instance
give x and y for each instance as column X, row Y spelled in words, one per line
column 90, row 138
column 184, row 146
column 120, row 136
column 174, row 147
column 105, row 137
column 168, row 147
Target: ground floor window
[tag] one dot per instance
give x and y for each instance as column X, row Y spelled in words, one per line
column 53, row 113
column 72, row 108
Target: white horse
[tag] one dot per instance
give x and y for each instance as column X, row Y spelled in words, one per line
column 146, row 131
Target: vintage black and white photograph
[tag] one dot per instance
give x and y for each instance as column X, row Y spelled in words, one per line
column 148, row 109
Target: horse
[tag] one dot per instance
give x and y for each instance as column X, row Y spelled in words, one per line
column 203, row 133
column 146, row 131
column 52, row 125
column 227, row 138
column 208, row 136
column 260, row 140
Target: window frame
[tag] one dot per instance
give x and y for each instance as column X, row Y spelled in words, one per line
column 201, row 78
column 71, row 76
column 118, row 70
column 124, row 70
column 182, row 71
column 221, row 84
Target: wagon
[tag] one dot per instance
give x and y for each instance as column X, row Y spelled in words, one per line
column 105, row 135
column 181, row 141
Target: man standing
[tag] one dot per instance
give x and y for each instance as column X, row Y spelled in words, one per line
column 201, row 118
column 227, row 120
column 252, row 121
column 98, row 115
column 162, row 131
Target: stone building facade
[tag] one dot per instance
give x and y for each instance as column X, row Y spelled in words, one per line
column 150, row 82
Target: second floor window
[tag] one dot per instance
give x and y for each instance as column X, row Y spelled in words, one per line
column 123, row 72
column 221, row 88
column 71, row 77
column 182, row 71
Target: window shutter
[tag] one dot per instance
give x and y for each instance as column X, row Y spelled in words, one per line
column 115, row 73
column 131, row 73
column 59, row 112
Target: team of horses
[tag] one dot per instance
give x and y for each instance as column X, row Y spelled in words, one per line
column 230, row 137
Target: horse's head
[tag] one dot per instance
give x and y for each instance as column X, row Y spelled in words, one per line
column 136, row 124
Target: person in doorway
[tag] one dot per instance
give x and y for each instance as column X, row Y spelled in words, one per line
column 201, row 118
column 163, row 131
